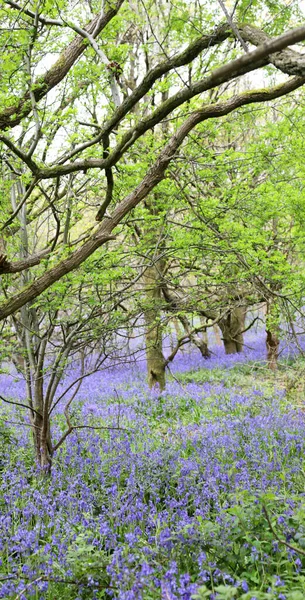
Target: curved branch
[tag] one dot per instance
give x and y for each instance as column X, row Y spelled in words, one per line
column 240, row 66
column 74, row 427
column 280, row 540
column 110, row 183
column 154, row 175
column 30, row 408
column 18, row 152
column 288, row 61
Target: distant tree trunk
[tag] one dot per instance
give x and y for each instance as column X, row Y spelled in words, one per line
column 232, row 327
column 203, row 322
column 272, row 336
column 174, row 333
column 176, row 326
column 201, row 345
column 217, row 335
column 153, row 330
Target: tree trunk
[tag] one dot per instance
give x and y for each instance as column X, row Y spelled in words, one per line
column 217, row 335
column 272, row 337
column 153, row 329
column 41, row 425
column 232, row 327
column 272, row 344
column 204, row 333
column 33, row 347
column 42, row 446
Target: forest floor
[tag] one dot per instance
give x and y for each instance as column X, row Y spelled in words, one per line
column 198, row 492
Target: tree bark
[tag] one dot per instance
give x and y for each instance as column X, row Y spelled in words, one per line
column 42, row 439
column 217, row 335
column 232, row 326
column 153, row 329
column 272, row 336
column 33, row 346
column 272, row 344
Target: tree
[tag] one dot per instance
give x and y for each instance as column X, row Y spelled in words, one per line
column 126, row 123
column 244, row 242
column 85, row 145
column 76, row 327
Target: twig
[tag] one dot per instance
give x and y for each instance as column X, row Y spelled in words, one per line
column 20, row 404
column 294, row 548
column 177, row 381
column 28, row 586
column 56, row 580
column 232, row 25
column 20, row 423
column 73, row 427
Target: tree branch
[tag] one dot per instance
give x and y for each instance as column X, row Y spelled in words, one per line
column 32, row 14
column 12, row 115
column 18, row 152
column 280, row 540
column 232, row 25
column 21, row 265
column 154, row 175
column 240, row 66
column 73, row 427
column 19, row 404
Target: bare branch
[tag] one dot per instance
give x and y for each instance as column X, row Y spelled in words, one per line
column 19, row 404
column 232, row 25
column 32, row 14
column 73, row 427
column 280, row 540
column 22, row 265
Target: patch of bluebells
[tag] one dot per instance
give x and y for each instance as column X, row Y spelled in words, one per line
column 151, row 511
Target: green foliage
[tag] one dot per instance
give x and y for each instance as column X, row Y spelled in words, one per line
column 7, row 440
column 85, row 561
column 226, row 225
